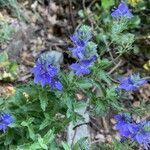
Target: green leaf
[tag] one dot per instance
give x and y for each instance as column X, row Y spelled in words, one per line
column 65, row 146
column 83, row 144
column 43, row 100
column 71, row 76
column 41, row 142
column 30, row 128
column 31, row 133
column 106, row 4
column 44, row 124
column 85, row 84
column 49, row 137
column 102, row 75
column 9, row 137
column 3, row 57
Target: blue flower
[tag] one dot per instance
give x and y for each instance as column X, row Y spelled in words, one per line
column 143, row 134
column 126, row 127
column 122, row 11
column 5, row 121
column 83, row 47
column 131, row 83
column 139, row 132
column 79, row 45
column 82, row 68
column 46, row 74
column 56, row 84
column 78, row 52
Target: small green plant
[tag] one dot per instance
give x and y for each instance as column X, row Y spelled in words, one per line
column 6, row 32
column 8, row 69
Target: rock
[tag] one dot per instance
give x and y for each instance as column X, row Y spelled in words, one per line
column 113, row 121
column 80, row 129
column 136, row 104
column 55, row 57
column 109, row 138
column 100, row 137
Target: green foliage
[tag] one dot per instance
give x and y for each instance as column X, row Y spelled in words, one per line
column 8, row 68
column 12, row 5
column 82, row 144
column 5, row 32
column 36, row 122
column 107, row 4
column 122, row 40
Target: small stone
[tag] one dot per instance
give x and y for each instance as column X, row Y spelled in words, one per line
column 109, row 138
column 113, row 121
column 4, row 46
column 39, row 41
column 100, row 137
column 33, row 48
column 136, row 104
column 92, row 136
column 102, row 131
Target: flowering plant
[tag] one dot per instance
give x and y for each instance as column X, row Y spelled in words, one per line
column 34, row 116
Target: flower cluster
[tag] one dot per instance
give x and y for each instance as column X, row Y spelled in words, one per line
column 132, row 82
column 128, row 128
column 5, row 121
column 122, row 11
column 45, row 73
column 84, row 50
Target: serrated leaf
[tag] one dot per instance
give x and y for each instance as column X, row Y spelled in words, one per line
column 43, row 100
column 44, row 124
column 65, row 146
column 30, row 128
column 31, row 133
column 49, row 137
column 85, row 84
column 9, row 137
column 41, row 142
column 102, row 75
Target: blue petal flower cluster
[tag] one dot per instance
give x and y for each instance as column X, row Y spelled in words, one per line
column 5, row 121
column 45, row 73
column 132, row 82
column 84, row 50
column 122, row 11
column 128, row 128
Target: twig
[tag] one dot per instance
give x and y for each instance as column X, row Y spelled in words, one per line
column 91, row 3
column 115, row 81
column 83, row 3
column 105, row 125
column 96, row 141
column 95, row 124
column 24, row 78
column 112, row 58
column 115, row 67
column 71, row 14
